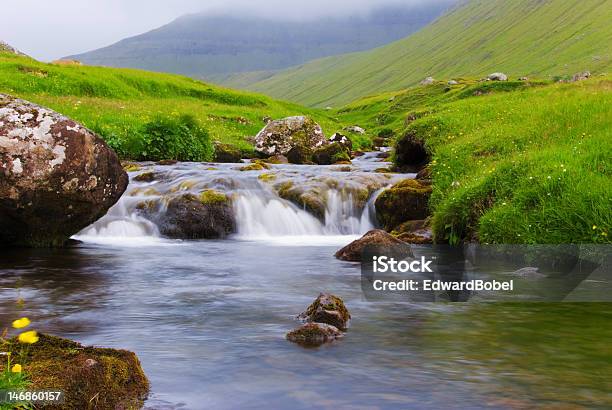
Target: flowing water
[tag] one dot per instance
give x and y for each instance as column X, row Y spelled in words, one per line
column 208, row 318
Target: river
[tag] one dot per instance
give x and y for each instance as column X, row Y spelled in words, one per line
column 208, row 318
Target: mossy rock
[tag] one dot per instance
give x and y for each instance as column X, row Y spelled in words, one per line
column 256, row 165
column 374, row 240
column 167, row 162
column 277, row 159
column 145, row 177
column 145, row 192
column 405, row 201
column 331, row 154
column 91, row 378
column 312, row 201
column 211, row 196
column 227, row 153
column 329, row 309
column 314, row 334
column 269, row 177
column 411, row 152
column 414, row 232
column 130, row 166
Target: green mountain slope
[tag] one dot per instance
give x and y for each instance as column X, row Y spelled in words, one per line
column 520, row 37
column 118, row 103
column 214, row 46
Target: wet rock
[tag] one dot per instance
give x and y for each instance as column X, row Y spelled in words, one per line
column 331, row 154
column 299, row 156
column 145, row 177
column 375, row 238
column 414, row 232
column 277, row 159
column 497, row 77
column 310, row 200
column 227, row 154
column 130, row 166
column 90, row 377
column 328, row 309
column 355, row 129
column 314, row 334
column 208, row 216
column 383, row 155
column 411, row 153
column 167, row 162
column 428, row 81
column 405, row 201
column 424, row 175
column 343, row 140
column 585, row 75
column 356, row 154
column 281, row 136
column 56, row 176
column 255, row 166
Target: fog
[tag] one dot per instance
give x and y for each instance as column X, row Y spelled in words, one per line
column 48, row 30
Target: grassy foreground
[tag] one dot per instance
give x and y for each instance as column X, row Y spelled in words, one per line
column 120, row 104
column 520, row 37
column 528, row 166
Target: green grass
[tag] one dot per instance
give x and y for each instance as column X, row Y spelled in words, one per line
column 522, row 37
column 12, row 381
column 529, row 166
column 120, row 103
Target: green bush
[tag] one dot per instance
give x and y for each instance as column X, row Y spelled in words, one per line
column 179, row 138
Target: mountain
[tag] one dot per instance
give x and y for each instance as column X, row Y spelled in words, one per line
column 217, row 46
column 519, row 37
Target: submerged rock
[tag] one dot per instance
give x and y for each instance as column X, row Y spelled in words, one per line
column 281, row 136
column 226, row 153
column 405, row 201
column 56, row 176
column 314, row 334
column 332, row 154
column 328, row 309
column 310, row 199
column 375, row 238
column 209, row 216
column 89, row 377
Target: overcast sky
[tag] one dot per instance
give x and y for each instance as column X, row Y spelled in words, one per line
column 51, row 29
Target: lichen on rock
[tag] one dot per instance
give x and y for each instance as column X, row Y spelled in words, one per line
column 279, row 137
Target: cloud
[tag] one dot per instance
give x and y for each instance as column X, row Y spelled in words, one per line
column 55, row 28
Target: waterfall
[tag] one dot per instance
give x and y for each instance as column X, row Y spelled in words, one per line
column 259, row 208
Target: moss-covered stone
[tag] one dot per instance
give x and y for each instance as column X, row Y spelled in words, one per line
column 411, row 152
column 91, row 378
column 130, row 166
column 353, row 252
column 405, row 201
column 252, row 167
column 312, row 200
column 415, row 232
column 329, row 309
column 314, row 334
column 211, row 196
column 145, row 177
column 227, row 153
column 167, row 162
column 277, row 159
column 269, row 177
column 331, row 154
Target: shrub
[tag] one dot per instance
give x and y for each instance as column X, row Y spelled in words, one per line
column 179, row 138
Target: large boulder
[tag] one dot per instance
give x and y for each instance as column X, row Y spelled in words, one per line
column 406, row 201
column 376, row 238
column 207, row 216
column 56, row 176
column 328, row 309
column 281, row 136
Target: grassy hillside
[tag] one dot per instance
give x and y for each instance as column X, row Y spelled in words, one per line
column 529, row 165
column 119, row 103
column 215, row 46
column 520, row 37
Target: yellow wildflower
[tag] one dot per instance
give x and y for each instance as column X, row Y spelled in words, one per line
column 16, row 368
column 28, row 337
column 21, row 323
column 594, row 227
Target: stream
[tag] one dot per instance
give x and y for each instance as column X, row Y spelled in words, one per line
column 207, row 318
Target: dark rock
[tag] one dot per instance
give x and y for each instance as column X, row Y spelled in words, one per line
column 356, row 154
column 331, row 154
column 145, row 177
column 384, row 155
column 314, row 334
column 424, row 174
column 167, row 162
column 343, row 140
column 277, row 159
column 376, row 238
column 227, row 154
column 411, row 153
column 328, row 309
column 405, row 201
column 56, row 176
column 209, row 216
column 281, row 136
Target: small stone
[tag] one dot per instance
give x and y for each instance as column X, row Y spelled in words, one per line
column 497, row 77
column 314, row 334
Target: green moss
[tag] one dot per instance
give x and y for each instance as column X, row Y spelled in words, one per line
column 252, row 167
column 210, row 196
column 104, row 378
column 145, row 177
column 267, row 177
column 130, row 167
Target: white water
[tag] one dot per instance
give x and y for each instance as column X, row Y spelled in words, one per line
column 260, row 212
